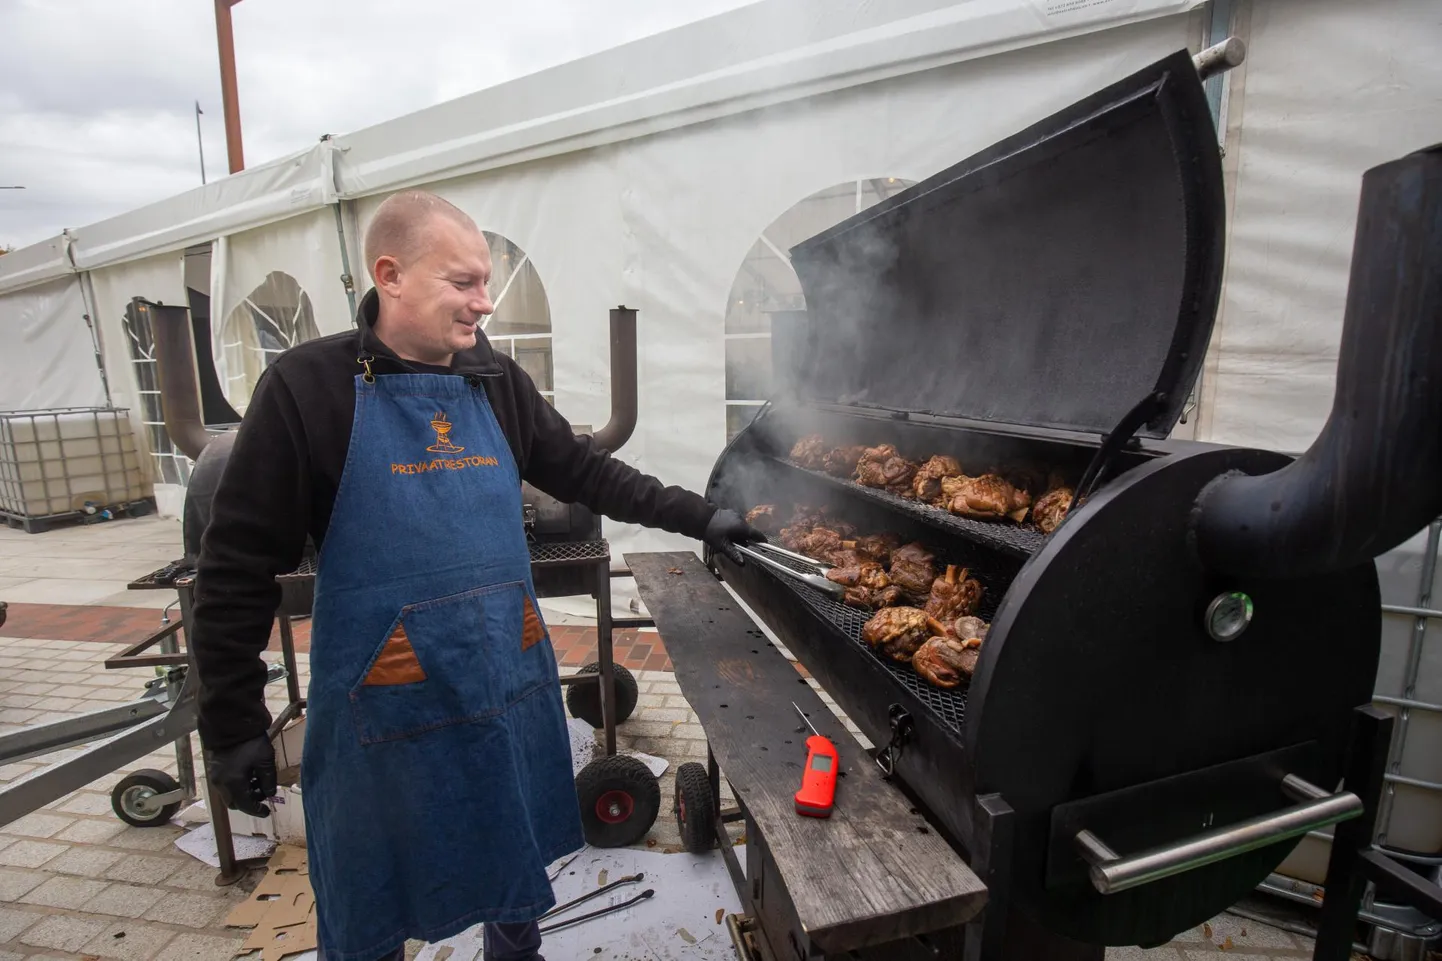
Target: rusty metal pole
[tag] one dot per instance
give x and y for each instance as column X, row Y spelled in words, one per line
column 225, row 40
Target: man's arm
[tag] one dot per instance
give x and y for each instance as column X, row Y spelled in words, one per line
column 572, row 468
column 258, row 524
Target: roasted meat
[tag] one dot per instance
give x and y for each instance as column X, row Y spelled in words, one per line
column 926, row 485
column 866, row 583
column 913, row 569
column 841, row 461
column 987, row 497
column 953, row 594
column 868, row 598
column 809, row 452
column 965, row 628
column 879, row 546
column 821, row 543
column 945, row 661
column 766, row 518
column 896, row 632
column 1050, row 508
column 883, row 467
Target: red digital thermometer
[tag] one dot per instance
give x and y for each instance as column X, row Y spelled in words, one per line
column 818, row 781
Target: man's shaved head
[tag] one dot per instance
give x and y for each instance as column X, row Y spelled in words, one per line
column 432, row 271
column 398, row 227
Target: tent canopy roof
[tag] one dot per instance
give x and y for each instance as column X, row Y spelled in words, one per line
column 758, row 55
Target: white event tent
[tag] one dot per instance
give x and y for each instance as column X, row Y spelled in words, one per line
column 670, row 175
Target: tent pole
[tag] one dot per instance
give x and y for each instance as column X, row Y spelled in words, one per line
column 346, row 277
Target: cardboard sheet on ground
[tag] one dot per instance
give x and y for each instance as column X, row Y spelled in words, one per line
column 281, row 909
column 685, row 920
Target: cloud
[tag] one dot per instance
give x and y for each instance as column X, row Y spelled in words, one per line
column 97, row 111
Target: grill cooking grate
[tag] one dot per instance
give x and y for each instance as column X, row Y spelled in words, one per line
column 1019, row 541
column 950, row 706
column 569, row 552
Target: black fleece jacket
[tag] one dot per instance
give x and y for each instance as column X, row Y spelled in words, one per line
column 280, row 482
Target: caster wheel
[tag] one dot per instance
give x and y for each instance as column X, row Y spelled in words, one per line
column 584, row 700
column 619, row 801
column 133, row 799
column 695, row 809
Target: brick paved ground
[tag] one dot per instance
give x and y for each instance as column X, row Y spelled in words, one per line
column 75, row 882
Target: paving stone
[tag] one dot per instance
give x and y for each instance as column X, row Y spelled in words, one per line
column 146, row 839
column 1248, row 934
column 645, row 728
column 198, row 876
column 673, row 714
column 63, row 933
column 201, row 947
column 15, row 920
column 141, row 869
column 1166, row 953
column 86, row 802
column 17, row 700
column 85, row 862
column 30, row 854
column 15, row 883
column 40, row 824
column 689, row 731
column 64, row 892
column 123, row 901
column 190, row 910
column 9, row 956
column 92, row 830
column 129, row 941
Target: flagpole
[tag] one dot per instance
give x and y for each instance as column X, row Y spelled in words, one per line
column 199, row 142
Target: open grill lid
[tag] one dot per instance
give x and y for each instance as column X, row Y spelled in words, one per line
column 1057, row 279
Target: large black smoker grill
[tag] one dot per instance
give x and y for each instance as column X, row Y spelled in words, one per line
column 1048, row 302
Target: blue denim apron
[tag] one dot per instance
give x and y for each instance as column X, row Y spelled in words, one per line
column 437, row 770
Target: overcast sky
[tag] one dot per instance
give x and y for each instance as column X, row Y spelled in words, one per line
column 97, row 100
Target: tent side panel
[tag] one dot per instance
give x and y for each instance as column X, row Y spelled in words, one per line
column 48, row 357
column 1310, row 129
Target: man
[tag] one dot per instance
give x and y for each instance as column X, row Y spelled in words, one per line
column 437, row 773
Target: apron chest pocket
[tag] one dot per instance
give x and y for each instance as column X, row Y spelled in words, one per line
column 451, row 660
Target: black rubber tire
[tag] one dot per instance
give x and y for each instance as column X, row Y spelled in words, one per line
column 127, row 798
column 584, row 700
column 695, row 808
column 619, row 801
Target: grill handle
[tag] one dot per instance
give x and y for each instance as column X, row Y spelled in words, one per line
column 810, row 580
column 1111, row 873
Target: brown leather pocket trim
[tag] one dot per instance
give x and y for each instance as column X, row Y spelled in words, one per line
column 397, row 662
column 532, row 630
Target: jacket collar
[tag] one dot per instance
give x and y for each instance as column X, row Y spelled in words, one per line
column 479, row 360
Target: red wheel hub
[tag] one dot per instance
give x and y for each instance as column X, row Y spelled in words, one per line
column 613, row 807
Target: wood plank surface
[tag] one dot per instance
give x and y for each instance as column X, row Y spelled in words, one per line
column 871, row 873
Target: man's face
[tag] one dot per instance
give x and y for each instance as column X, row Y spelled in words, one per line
column 440, row 296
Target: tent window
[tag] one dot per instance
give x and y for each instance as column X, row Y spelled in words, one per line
column 766, row 283
column 520, row 327
column 274, row 317
column 171, row 466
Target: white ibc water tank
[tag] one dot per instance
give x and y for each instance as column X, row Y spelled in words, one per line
column 58, row 461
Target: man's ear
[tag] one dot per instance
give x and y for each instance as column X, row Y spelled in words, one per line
column 387, row 274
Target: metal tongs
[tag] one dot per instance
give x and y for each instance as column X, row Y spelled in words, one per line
column 810, row 580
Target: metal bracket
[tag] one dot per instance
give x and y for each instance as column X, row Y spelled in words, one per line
column 902, row 727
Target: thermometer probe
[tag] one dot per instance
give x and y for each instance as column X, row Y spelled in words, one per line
column 818, row 781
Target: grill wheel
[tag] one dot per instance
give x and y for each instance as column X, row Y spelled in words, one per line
column 619, row 801
column 695, row 809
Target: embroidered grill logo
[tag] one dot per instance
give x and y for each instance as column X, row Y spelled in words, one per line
column 443, row 445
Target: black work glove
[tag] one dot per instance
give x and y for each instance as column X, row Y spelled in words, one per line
column 244, row 775
column 726, row 529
